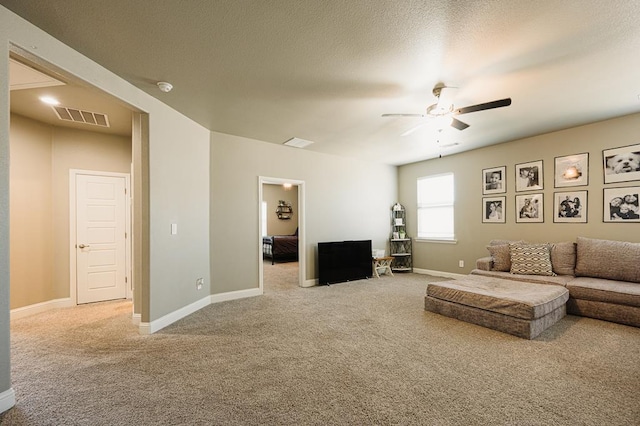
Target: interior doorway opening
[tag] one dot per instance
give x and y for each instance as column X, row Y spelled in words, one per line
column 281, row 234
column 61, row 146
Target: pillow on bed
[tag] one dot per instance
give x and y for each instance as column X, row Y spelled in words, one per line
column 500, row 257
column 531, row 259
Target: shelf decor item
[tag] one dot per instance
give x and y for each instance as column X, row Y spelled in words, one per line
column 284, row 210
column 400, row 243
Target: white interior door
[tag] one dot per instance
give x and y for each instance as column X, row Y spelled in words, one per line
column 100, row 238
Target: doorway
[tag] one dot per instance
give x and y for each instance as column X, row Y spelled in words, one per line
column 279, row 269
column 41, row 140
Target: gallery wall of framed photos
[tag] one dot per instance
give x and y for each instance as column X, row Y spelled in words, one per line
column 620, row 204
column 488, row 198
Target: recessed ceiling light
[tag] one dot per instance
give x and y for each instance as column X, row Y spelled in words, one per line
column 49, row 100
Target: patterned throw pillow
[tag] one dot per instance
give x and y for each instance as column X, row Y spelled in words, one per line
column 500, row 257
column 531, row 259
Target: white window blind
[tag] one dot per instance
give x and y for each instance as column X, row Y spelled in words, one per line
column 435, row 207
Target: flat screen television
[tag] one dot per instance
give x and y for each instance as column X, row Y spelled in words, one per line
column 342, row 261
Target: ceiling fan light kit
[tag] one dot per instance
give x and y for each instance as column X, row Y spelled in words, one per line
column 445, row 108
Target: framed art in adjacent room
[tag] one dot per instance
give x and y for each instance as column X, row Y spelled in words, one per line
column 530, row 208
column 621, row 204
column 529, row 176
column 494, row 180
column 572, row 170
column 493, row 209
column 621, row 164
column 570, row 207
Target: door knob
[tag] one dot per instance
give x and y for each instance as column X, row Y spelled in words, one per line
column 83, row 246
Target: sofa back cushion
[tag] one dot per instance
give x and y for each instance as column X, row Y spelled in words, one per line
column 531, row 259
column 500, row 257
column 612, row 260
column 563, row 258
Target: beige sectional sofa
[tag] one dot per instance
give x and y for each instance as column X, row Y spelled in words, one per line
column 524, row 288
column 602, row 276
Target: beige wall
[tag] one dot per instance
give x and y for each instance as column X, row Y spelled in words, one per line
column 32, row 224
column 41, row 157
column 345, row 199
column 272, row 194
column 473, row 235
column 175, row 179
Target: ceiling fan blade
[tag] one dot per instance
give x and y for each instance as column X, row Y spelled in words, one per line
column 481, row 107
column 403, row 115
column 458, row 124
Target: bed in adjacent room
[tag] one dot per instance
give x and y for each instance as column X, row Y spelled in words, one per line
column 280, row 248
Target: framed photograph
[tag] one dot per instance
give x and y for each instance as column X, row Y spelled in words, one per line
column 494, row 180
column 398, row 222
column 529, row 176
column 493, row 209
column 530, row 208
column 621, row 204
column 570, row 207
column 621, row 164
column 572, row 170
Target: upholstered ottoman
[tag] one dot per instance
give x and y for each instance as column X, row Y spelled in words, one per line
column 519, row 308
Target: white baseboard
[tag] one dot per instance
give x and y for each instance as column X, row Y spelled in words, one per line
column 160, row 323
column 438, row 273
column 170, row 318
column 234, row 295
column 136, row 319
column 7, row 400
column 310, row 283
column 37, row 308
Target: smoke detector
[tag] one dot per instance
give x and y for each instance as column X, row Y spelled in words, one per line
column 164, row 86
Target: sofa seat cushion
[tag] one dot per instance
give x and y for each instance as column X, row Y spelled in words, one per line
column 536, row 279
column 608, row 291
column 512, row 298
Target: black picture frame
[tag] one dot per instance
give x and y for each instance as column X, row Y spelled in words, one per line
column 530, row 208
column 620, row 205
column 494, row 209
column 571, row 170
column 494, row 180
column 529, row 176
column 570, row 207
column 621, row 164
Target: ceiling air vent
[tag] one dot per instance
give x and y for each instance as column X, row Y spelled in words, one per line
column 79, row 116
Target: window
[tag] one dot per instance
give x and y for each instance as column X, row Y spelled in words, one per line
column 435, row 207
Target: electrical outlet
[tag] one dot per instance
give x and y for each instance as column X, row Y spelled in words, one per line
column 461, row 263
column 199, row 283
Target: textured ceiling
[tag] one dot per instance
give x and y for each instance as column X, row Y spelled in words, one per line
column 326, row 70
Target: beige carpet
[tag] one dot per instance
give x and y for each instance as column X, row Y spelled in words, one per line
column 355, row 353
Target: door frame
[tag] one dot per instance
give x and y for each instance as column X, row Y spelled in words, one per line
column 73, row 278
column 262, row 180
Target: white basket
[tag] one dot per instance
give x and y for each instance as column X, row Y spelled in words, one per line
column 377, row 253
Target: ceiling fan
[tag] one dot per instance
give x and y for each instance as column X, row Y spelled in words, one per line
column 444, row 109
